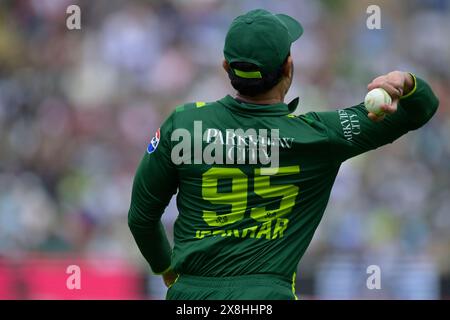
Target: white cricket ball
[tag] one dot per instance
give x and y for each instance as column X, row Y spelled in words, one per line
column 375, row 99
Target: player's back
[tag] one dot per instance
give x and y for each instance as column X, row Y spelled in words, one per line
column 253, row 185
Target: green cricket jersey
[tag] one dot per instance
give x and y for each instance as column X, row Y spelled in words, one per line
column 236, row 217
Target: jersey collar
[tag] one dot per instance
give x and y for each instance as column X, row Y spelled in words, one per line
column 279, row 109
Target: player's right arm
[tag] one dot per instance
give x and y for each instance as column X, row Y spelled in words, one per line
column 154, row 184
column 353, row 131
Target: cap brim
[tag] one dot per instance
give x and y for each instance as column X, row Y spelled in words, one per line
column 294, row 27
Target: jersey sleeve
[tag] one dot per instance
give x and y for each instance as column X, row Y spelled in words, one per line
column 154, row 184
column 351, row 132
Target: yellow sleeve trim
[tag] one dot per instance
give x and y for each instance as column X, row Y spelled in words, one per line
column 293, row 285
column 176, row 279
column 413, row 90
column 160, row 273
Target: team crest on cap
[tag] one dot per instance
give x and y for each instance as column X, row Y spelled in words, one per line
column 154, row 142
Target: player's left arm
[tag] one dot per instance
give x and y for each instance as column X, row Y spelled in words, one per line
column 354, row 130
column 154, row 184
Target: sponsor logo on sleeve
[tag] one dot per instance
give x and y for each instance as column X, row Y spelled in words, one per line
column 350, row 124
column 154, row 142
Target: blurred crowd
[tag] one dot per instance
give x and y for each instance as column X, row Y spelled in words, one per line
column 78, row 108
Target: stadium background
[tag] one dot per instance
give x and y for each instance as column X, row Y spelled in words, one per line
column 77, row 109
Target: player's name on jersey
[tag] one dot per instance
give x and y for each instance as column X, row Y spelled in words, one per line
column 270, row 230
column 228, row 146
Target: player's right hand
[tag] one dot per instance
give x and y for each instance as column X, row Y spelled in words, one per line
column 396, row 84
column 387, row 109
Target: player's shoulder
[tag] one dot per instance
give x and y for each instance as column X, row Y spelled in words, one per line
column 308, row 119
column 192, row 107
column 185, row 115
column 306, row 123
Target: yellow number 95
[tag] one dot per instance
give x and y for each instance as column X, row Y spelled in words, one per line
column 237, row 196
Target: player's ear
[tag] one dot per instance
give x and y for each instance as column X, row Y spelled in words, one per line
column 226, row 65
column 288, row 67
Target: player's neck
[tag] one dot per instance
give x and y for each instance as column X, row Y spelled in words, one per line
column 270, row 97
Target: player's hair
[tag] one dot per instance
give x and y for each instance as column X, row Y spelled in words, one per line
column 254, row 87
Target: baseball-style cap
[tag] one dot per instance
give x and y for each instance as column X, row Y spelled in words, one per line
column 261, row 38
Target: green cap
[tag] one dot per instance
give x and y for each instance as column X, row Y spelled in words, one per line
column 261, row 38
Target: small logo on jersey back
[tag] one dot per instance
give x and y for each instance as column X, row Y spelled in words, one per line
column 154, row 142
